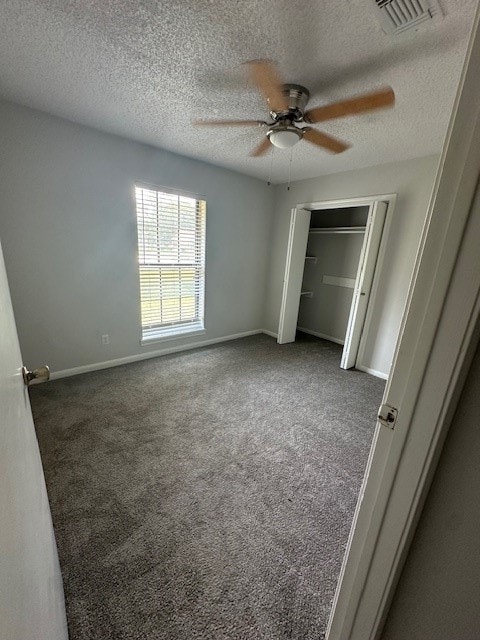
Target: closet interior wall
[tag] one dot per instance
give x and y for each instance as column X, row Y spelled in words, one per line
column 333, row 252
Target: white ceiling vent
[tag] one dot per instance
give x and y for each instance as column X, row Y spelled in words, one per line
column 397, row 16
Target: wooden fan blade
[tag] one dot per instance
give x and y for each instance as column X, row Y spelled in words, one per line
column 228, row 123
column 264, row 76
column 261, row 149
column 360, row 104
column 325, row 141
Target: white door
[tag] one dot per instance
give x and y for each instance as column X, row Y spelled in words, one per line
column 31, row 591
column 292, row 283
column 363, row 283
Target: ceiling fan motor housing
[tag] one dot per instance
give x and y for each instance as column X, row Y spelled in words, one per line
column 297, row 98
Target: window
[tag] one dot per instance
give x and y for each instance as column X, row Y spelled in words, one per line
column 171, row 256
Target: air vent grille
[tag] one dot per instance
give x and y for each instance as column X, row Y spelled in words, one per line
column 399, row 15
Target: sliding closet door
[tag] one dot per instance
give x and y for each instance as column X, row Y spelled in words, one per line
column 292, row 283
column 363, row 283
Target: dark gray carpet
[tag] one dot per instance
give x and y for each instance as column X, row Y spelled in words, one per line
column 206, row 495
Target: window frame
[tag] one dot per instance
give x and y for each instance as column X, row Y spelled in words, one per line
column 182, row 328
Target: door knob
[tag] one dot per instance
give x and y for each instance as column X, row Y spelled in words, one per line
column 42, row 374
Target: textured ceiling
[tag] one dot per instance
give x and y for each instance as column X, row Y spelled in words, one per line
column 145, row 69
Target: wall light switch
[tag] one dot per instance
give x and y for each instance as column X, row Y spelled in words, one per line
column 105, row 338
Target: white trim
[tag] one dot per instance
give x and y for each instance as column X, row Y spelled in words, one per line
column 270, row 333
column 324, row 336
column 433, row 351
column 360, row 201
column 174, row 333
column 372, row 372
column 97, row 366
column 174, row 191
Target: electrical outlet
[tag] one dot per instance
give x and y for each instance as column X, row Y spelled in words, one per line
column 105, row 338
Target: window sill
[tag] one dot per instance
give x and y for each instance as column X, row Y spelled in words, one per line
column 168, row 335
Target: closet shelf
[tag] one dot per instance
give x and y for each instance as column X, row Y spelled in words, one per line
column 338, row 230
column 314, row 258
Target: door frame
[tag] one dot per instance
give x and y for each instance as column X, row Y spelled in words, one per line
column 390, row 200
column 438, row 334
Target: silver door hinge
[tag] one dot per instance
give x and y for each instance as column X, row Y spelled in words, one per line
column 387, row 415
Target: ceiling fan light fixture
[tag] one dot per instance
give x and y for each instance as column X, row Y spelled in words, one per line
column 284, row 137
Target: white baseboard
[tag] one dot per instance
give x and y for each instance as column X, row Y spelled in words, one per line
column 87, row 368
column 270, row 333
column 373, row 372
column 317, row 334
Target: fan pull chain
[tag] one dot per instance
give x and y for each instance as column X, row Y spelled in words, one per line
column 290, row 169
column 269, row 181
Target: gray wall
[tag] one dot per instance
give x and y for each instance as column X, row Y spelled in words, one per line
column 67, row 224
column 412, row 180
column 438, row 595
column 328, row 311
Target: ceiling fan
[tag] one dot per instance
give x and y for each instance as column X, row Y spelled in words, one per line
column 287, row 103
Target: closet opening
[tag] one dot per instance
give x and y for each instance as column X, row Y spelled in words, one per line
column 332, row 255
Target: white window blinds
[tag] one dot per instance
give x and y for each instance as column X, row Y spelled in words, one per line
column 171, row 255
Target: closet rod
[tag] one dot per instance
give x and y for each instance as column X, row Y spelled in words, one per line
column 338, row 230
